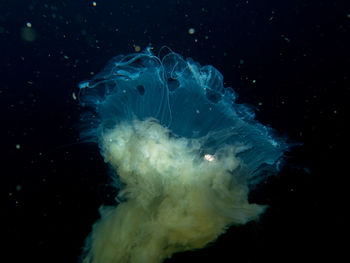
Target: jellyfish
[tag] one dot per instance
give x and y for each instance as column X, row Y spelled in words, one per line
column 183, row 153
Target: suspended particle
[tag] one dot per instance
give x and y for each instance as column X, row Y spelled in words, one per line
column 28, row 33
column 191, row 31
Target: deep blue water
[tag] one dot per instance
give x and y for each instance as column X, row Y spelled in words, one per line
column 289, row 60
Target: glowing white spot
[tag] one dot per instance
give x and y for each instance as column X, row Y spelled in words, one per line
column 209, row 157
column 94, row 3
column 18, row 146
column 28, row 24
column 74, row 96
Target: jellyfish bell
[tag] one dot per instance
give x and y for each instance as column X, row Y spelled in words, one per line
column 185, row 154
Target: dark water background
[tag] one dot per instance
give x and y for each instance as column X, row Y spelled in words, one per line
column 288, row 59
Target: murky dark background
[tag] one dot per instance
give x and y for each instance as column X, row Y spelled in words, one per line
column 287, row 59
